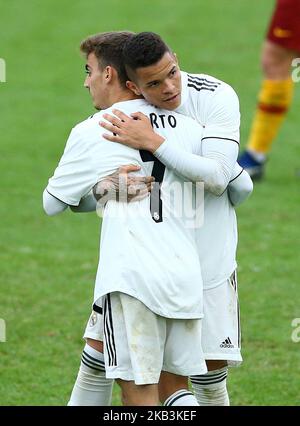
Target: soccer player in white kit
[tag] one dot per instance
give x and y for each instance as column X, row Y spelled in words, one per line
column 214, row 105
column 211, row 388
column 137, row 272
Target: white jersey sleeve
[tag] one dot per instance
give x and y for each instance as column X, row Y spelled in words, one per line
column 240, row 187
column 222, row 115
column 52, row 205
column 72, row 179
column 213, row 103
column 87, row 204
column 211, row 163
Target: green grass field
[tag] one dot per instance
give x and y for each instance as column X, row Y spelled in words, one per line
column 48, row 264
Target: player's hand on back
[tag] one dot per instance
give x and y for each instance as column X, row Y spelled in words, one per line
column 135, row 130
column 123, row 186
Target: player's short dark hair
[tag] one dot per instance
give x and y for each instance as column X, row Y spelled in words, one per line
column 108, row 48
column 143, row 49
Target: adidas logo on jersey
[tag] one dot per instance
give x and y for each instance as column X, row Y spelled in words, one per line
column 227, row 343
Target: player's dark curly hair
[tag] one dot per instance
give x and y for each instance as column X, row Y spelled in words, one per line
column 108, row 48
column 143, row 49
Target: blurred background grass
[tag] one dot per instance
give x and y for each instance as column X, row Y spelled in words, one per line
column 48, row 264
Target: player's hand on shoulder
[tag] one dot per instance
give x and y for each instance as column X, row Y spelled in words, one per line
column 134, row 131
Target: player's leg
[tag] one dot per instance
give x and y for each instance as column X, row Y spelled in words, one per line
column 133, row 348
column 220, row 342
column 174, row 390
column 211, row 388
column 276, row 61
column 91, row 386
column 183, row 357
column 138, row 395
column 274, row 101
column 137, row 351
column 279, row 49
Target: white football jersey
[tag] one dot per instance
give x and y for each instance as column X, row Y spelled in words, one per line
column 215, row 105
column 150, row 255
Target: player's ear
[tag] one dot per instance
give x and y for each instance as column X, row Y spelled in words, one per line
column 133, row 87
column 108, row 74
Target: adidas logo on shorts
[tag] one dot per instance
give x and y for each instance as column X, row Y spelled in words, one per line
column 227, row 343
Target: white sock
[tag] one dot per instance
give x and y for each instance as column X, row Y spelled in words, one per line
column 182, row 397
column 91, row 386
column 210, row 388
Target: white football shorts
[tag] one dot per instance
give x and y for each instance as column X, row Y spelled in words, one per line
column 94, row 327
column 221, row 331
column 139, row 344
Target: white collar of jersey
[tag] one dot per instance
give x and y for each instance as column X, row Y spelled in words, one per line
column 132, row 102
column 184, row 90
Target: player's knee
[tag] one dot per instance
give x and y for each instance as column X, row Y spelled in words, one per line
column 138, row 395
column 276, row 61
column 95, row 344
column 130, row 400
